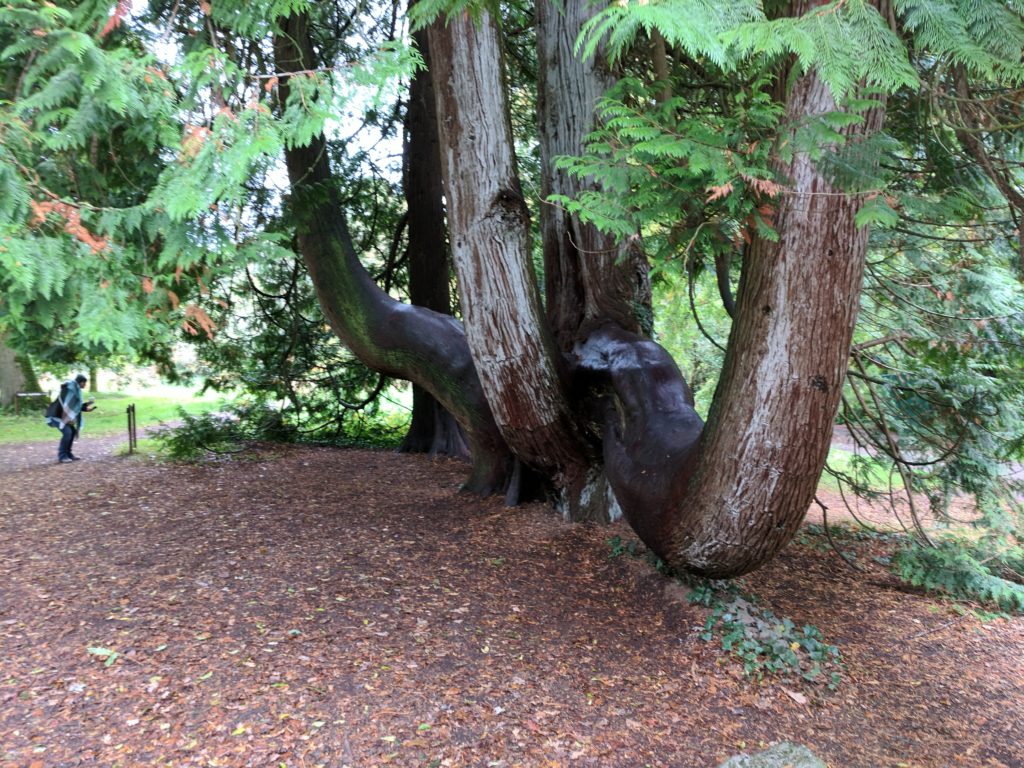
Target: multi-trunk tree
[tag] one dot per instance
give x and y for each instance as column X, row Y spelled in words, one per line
column 606, row 402
column 765, row 124
column 577, row 391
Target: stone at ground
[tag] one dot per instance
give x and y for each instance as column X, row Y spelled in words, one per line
column 782, row 755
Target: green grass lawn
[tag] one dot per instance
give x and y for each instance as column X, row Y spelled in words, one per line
column 157, row 404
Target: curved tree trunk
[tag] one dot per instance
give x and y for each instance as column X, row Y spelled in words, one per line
column 423, row 346
column 432, row 430
column 737, row 497
column 771, row 422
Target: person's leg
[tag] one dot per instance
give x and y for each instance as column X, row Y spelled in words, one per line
column 67, row 433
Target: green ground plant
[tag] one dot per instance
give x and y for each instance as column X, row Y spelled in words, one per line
column 240, row 425
column 221, row 433
column 749, row 632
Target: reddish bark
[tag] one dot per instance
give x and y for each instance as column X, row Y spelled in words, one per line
column 511, row 343
column 590, row 277
column 738, row 499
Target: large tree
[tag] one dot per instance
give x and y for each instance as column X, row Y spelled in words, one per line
column 764, row 121
column 573, row 388
column 718, row 500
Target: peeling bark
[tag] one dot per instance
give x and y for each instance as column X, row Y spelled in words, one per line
column 590, row 277
column 522, row 352
column 489, row 229
column 721, row 500
column 771, row 421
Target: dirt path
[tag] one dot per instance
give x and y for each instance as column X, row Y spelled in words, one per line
column 18, row 457
column 315, row 607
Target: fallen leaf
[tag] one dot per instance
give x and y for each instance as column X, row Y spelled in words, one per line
column 796, row 696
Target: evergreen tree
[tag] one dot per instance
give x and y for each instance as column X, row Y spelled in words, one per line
column 754, row 140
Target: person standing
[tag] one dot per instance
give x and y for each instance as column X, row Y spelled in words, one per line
column 65, row 414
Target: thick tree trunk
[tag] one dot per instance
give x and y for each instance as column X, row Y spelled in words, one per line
column 425, row 347
column 732, row 504
column 12, row 379
column 590, row 277
column 718, row 501
column 490, row 232
column 433, row 430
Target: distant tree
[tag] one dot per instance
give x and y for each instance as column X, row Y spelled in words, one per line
column 11, row 379
column 432, row 429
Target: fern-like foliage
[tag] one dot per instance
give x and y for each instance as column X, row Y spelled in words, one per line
column 81, row 126
column 966, row 573
column 983, row 35
column 688, row 178
column 846, row 42
column 423, row 12
column 698, row 27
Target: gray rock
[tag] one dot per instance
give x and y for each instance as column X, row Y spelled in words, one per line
column 782, row 755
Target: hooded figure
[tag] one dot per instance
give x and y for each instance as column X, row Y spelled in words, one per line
column 65, row 414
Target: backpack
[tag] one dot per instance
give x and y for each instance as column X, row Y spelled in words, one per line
column 55, row 409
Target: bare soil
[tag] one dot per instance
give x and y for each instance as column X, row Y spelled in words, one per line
column 321, row 607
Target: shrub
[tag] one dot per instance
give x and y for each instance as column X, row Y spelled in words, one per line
column 223, row 432
column 965, row 571
column 762, row 642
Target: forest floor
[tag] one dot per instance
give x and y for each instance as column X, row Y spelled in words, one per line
column 308, row 607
